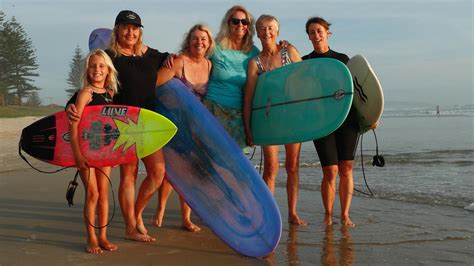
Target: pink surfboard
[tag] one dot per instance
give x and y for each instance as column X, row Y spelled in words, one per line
column 109, row 135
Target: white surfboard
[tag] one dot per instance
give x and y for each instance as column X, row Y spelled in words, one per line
column 368, row 94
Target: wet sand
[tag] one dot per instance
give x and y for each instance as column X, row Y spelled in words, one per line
column 38, row 228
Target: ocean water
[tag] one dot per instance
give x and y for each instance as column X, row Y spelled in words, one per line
column 429, row 158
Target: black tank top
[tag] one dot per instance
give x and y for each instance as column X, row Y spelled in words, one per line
column 101, row 98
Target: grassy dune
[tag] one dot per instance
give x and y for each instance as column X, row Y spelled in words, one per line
column 19, row 111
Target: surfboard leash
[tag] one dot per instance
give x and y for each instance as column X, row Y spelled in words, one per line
column 85, row 189
column 370, row 194
column 71, row 188
column 37, row 169
column 377, row 160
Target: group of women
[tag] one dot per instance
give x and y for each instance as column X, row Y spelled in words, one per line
column 222, row 73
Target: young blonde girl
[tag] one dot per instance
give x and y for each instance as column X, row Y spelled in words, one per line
column 99, row 86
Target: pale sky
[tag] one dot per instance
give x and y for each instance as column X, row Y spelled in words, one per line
column 422, row 51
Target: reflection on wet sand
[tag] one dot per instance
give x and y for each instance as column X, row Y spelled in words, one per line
column 337, row 248
column 345, row 244
column 292, row 245
column 291, row 255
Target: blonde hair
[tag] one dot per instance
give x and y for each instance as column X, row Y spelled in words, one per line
column 223, row 37
column 111, row 82
column 115, row 47
column 188, row 36
column 265, row 18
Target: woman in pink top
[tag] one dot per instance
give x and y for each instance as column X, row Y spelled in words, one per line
column 193, row 67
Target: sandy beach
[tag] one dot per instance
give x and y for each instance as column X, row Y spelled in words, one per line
column 38, row 228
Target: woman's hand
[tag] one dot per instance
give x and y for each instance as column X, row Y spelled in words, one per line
column 284, row 43
column 72, row 114
column 249, row 138
column 82, row 164
column 169, row 61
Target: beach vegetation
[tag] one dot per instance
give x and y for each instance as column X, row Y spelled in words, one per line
column 33, row 99
column 12, row 111
column 74, row 76
column 18, row 66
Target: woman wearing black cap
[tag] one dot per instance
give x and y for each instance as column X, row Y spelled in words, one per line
column 137, row 66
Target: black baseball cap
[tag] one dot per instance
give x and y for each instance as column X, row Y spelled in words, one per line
column 128, row 17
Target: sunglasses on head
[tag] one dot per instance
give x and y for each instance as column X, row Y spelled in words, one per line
column 236, row 21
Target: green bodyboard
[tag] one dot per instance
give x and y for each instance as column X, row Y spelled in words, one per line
column 303, row 101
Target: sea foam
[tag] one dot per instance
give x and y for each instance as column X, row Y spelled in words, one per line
column 470, row 207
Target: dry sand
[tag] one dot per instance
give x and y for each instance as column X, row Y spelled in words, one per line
column 38, row 228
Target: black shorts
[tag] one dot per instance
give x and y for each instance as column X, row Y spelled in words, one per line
column 341, row 144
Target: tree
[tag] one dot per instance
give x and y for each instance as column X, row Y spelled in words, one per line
column 3, row 86
column 33, row 99
column 75, row 72
column 19, row 61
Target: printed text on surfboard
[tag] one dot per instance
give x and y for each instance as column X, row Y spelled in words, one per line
column 114, row 111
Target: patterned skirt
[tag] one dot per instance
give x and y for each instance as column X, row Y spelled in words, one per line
column 230, row 118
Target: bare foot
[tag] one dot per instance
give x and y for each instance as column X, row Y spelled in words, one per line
column 141, row 228
column 139, row 237
column 348, row 222
column 295, row 219
column 188, row 225
column 158, row 219
column 107, row 245
column 328, row 220
column 93, row 246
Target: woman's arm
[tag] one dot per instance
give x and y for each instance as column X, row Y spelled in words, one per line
column 294, row 54
column 249, row 91
column 165, row 74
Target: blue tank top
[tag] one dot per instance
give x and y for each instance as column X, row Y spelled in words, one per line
column 228, row 76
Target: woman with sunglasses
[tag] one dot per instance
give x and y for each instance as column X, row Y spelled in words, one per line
column 234, row 49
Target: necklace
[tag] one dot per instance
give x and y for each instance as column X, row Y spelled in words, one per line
column 132, row 53
column 105, row 95
column 99, row 88
column 129, row 54
column 107, row 98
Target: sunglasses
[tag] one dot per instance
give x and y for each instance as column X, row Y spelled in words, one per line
column 237, row 21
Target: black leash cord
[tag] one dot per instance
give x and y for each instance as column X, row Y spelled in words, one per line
column 378, row 161
column 113, row 199
column 71, row 189
column 39, row 170
column 363, row 169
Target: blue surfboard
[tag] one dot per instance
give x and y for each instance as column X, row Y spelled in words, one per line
column 208, row 169
column 99, row 39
